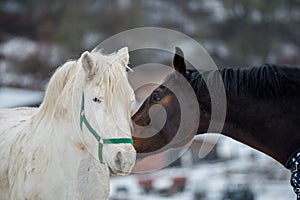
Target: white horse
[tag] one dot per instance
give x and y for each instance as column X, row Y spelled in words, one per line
column 65, row 148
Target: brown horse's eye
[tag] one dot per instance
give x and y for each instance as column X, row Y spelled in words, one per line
column 156, row 97
column 96, row 100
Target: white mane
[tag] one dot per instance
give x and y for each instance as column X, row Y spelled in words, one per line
column 56, row 85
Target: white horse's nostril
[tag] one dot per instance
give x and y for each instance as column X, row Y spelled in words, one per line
column 119, row 159
column 119, row 155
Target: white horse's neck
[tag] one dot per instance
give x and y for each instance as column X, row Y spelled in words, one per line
column 58, row 125
column 69, row 164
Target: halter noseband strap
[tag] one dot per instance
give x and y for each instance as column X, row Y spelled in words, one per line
column 100, row 140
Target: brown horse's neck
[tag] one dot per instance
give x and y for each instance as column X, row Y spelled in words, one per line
column 262, row 108
column 268, row 126
column 253, row 140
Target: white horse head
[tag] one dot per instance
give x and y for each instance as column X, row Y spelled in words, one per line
column 108, row 97
column 102, row 81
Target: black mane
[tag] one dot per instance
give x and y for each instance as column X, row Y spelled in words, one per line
column 261, row 82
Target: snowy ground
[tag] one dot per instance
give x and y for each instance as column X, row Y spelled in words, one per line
column 267, row 179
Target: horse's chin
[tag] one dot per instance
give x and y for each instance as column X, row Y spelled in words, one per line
column 118, row 172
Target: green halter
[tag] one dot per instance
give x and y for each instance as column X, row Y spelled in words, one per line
column 100, row 140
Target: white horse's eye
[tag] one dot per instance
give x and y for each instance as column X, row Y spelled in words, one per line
column 97, row 100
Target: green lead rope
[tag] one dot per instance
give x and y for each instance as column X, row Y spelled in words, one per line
column 100, row 140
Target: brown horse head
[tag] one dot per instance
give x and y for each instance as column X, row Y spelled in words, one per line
column 158, row 123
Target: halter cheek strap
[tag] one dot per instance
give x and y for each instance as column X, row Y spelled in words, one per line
column 100, row 140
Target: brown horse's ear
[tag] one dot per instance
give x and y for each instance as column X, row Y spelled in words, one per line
column 178, row 61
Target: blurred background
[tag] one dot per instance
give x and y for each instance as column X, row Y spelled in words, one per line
column 37, row 36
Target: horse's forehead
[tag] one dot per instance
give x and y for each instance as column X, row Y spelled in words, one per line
column 171, row 80
column 105, row 59
column 121, row 84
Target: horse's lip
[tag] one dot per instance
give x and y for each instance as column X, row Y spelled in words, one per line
column 117, row 172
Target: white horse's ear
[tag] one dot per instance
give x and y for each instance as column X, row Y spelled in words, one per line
column 87, row 62
column 123, row 55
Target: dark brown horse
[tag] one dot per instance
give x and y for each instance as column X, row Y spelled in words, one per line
column 263, row 108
